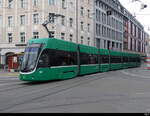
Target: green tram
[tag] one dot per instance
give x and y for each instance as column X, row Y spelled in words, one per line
column 54, row 59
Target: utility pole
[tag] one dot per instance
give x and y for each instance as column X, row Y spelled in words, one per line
column 50, row 20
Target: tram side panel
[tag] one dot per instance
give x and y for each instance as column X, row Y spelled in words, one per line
column 88, row 60
column 124, row 60
column 104, row 60
column 63, row 60
column 115, row 60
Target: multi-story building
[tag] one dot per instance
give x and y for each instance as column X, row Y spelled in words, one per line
column 21, row 20
column 109, row 24
column 100, row 23
column 135, row 38
column 147, row 36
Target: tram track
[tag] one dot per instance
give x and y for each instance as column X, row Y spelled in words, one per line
column 67, row 85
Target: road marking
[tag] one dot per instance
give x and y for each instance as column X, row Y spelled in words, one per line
column 134, row 75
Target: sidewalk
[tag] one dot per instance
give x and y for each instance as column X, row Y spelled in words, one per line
column 8, row 74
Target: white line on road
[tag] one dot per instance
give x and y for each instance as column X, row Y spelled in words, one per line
column 134, row 75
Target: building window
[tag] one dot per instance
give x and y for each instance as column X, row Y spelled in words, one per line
column 10, row 37
column 1, row 3
column 10, row 3
column 63, row 21
column 82, row 26
column 71, row 22
column 97, row 15
column 22, row 37
column 22, row 3
column 113, row 45
column 63, row 36
column 82, row 11
column 88, row 13
column 117, row 45
column 104, row 44
column 35, row 2
column 35, row 35
column 35, row 18
column 88, row 27
column 63, row 4
column 88, row 41
column 22, row 20
column 120, row 46
column 71, row 36
column 51, row 2
column 97, row 29
column 1, row 20
column 10, row 21
column 81, row 39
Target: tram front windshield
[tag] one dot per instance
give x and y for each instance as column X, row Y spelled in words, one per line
column 30, row 57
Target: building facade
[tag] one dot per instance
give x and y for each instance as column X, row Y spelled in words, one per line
column 101, row 23
column 109, row 27
column 135, row 38
column 21, row 20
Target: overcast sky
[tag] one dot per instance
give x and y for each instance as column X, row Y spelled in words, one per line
column 143, row 16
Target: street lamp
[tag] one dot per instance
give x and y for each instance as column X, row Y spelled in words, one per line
column 143, row 5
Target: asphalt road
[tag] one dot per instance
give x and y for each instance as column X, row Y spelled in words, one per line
column 112, row 92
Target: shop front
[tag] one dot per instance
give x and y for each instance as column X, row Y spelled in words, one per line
column 11, row 59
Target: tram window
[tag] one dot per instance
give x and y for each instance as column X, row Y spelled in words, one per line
column 44, row 60
column 115, row 59
column 86, row 59
column 138, row 59
column 62, row 58
column 131, row 59
column 93, row 59
column 135, row 59
column 104, row 59
column 125, row 59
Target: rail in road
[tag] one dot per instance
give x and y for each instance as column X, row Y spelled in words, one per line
column 54, row 88
column 16, row 94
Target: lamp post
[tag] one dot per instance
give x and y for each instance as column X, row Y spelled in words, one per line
column 143, row 5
